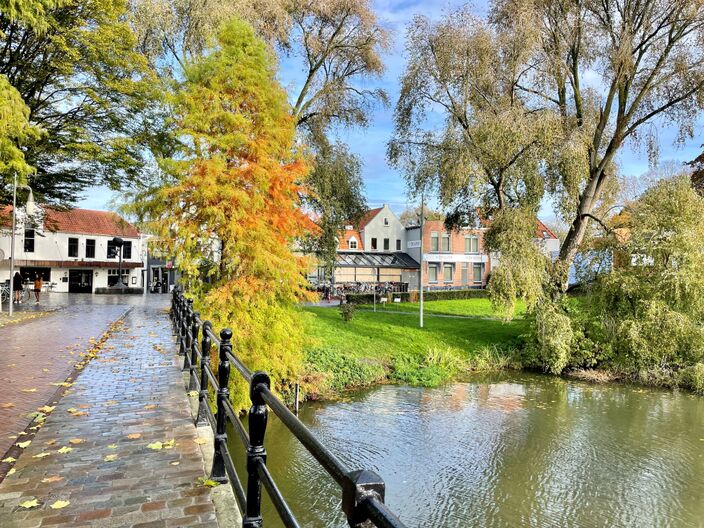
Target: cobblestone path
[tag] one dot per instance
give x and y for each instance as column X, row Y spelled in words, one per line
column 37, row 355
column 120, row 448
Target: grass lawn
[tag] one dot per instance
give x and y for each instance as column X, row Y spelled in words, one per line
column 467, row 307
column 379, row 346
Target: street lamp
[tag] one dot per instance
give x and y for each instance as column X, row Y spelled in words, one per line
column 30, row 208
column 118, row 242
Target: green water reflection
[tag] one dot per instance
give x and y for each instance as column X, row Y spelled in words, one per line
column 505, row 451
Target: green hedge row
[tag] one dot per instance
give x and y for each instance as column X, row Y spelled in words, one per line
column 436, row 295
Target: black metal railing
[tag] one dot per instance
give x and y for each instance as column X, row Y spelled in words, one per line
column 362, row 490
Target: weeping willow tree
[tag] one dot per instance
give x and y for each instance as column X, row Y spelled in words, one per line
column 484, row 155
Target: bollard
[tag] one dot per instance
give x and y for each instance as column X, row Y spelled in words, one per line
column 205, row 345
column 194, row 352
column 218, row 473
column 256, row 454
column 359, row 486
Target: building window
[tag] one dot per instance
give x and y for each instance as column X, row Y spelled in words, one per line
column 352, row 243
column 465, row 273
column 373, row 243
column 434, row 242
column 477, row 272
column 386, row 221
column 73, row 247
column 127, row 250
column 398, row 245
column 386, row 244
column 446, row 242
column 113, row 276
column 90, row 248
column 432, row 273
column 29, row 240
column 447, row 273
column 471, row 244
column 112, row 250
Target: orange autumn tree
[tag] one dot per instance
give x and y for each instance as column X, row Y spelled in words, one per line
column 231, row 213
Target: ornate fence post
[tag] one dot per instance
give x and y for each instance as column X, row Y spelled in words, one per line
column 218, row 473
column 194, row 352
column 360, row 486
column 175, row 307
column 205, row 345
column 256, row 454
column 188, row 309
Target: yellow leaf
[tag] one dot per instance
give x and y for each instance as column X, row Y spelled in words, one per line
column 29, row 390
column 134, row 436
column 22, row 445
column 155, row 445
column 51, row 442
column 46, row 409
column 79, row 413
column 175, row 463
column 110, row 458
column 65, row 450
column 112, row 446
column 59, row 504
column 11, row 472
column 72, row 410
column 200, row 441
column 41, row 455
column 169, row 444
column 7, row 405
column 193, row 394
column 76, row 441
column 84, row 406
column 48, row 480
column 150, row 406
column 9, row 460
column 29, row 504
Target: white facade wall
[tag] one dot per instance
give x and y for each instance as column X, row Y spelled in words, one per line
column 376, row 228
column 53, row 246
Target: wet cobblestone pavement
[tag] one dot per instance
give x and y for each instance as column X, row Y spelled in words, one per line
column 120, row 448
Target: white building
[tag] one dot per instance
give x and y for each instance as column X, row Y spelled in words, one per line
column 69, row 249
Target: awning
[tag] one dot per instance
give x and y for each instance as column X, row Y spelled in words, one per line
column 361, row 259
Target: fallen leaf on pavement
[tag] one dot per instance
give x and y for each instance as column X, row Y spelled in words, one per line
column 11, row 472
column 46, row 409
column 65, row 449
column 29, row 390
column 193, row 394
column 112, row 446
column 51, row 442
column 41, row 455
column 155, row 445
column 134, row 435
column 9, row 460
column 79, row 413
column 84, row 406
column 22, row 445
column 175, row 463
column 200, row 441
column 207, row 482
column 29, row 504
column 71, row 410
column 55, row 478
column 169, row 444
column 7, row 405
column 59, row 504
column 76, row 441
column 110, row 458
column 150, row 406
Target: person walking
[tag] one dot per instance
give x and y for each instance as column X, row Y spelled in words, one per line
column 37, row 286
column 17, row 287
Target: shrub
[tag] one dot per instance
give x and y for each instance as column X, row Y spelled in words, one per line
column 692, row 378
column 551, row 340
column 334, row 371
column 347, row 311
column 430, row 368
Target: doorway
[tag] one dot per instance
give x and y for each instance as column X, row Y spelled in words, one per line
column 80, row 281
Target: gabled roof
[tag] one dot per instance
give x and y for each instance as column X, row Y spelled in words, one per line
column 542, row 227
column 85, row 222
column 368, row 217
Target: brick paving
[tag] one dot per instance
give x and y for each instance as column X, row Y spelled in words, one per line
column 38, row 355
column 131, row 395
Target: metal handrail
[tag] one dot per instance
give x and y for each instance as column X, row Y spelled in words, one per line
column 362, row 490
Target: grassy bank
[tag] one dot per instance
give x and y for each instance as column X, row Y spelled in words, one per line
column 464, row 307
column 379, row 347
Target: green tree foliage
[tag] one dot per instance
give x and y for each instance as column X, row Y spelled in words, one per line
column 74, row 65
column 15, row 130
column 337, row 197
column 645, row 316
column 230, row 209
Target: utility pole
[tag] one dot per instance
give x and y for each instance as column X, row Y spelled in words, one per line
column 420, row 281
column 12, row 246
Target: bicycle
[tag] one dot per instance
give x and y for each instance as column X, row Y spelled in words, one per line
column 4, row 293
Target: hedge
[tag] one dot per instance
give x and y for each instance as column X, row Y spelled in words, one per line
column 412, row 296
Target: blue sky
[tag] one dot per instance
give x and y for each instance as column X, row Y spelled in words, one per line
column 384, row 184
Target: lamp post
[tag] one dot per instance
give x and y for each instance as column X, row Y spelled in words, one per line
column 29, row 210
column 420, row 278
column 118, row 244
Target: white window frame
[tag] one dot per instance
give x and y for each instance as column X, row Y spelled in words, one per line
column 434, row 241
column 351, row 241
column 432, row 270
column 445, row 237
column 471, row 240
column 445, row 267
column 480, row 266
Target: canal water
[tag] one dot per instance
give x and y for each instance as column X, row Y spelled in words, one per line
column 505, row 451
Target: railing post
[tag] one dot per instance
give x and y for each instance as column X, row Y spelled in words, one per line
column 256, row 454
column 359, row 486
column 218, row 473
column 175, row 307
column 188, row 308
column 205, row 345
column 194, row 352
column 190, row 317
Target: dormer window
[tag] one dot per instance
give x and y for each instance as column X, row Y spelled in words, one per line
column 386, row 221
column 545, row 234
column 352, row 243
